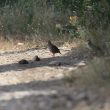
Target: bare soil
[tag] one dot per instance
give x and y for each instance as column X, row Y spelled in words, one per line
column 39, row 85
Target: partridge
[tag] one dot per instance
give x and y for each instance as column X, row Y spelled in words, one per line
column 53, row 49
column 23, row 61
column 36, row 58
column 94, row 47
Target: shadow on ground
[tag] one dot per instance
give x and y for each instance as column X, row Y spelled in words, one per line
column 68, row 60
column 52, row 94
column 33, row 85
column 49, row 95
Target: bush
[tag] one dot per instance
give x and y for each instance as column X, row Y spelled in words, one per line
column 96, row 19
column 95, row 73
column 27, row 17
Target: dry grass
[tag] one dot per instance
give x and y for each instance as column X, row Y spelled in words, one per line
column 16, row 45
column 20, row 42
column 95, row 73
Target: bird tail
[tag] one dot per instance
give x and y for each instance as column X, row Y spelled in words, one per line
column 59, row 52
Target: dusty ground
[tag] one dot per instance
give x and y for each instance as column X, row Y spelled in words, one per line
column 39, row 85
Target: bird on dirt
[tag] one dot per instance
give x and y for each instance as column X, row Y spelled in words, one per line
column 94, row 47
column 36, row 58
column 23, row 61
column 53, row 49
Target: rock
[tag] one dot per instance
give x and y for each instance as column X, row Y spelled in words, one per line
column 20, row 44
column 55, row 63
column 81, row 64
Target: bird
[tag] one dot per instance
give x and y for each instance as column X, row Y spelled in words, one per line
column 23, row 61
column 36, row 58
column 53, row 48
column 94, row 47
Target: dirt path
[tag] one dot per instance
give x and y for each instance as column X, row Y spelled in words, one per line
column 39, row 85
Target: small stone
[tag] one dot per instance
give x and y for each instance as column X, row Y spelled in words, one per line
column 55, row 63
column 81, row 64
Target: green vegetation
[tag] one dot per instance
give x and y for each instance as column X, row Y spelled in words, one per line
column 39, row 17
column 96, row 20
column 57, row 18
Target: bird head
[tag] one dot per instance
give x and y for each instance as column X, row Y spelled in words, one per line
column 89, row 41
column 36, row 56
column 49, row 42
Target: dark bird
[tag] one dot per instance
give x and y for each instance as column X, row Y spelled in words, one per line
column 53, row 49
column 36, row 58
column 94, row 47
column 23, row 61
